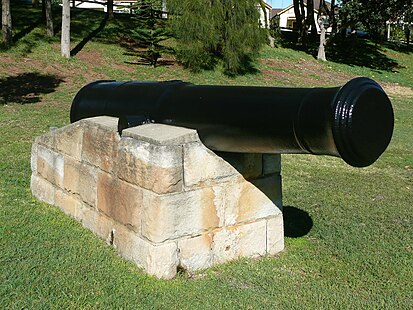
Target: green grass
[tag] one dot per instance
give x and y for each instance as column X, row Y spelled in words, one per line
column 358, row 253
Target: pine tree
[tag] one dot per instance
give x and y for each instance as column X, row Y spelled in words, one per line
column 150, row 29
column 209, row 31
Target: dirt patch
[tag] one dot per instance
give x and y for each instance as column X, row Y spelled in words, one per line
column 304, row 72
column 394, row 89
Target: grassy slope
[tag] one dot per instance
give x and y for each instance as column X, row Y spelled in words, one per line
column 358, row 253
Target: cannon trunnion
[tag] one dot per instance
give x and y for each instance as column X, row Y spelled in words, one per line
column 354, row 122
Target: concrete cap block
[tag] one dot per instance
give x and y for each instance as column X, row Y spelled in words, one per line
column 162, row 134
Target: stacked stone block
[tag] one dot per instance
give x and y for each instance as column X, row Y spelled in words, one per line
column 159, row 196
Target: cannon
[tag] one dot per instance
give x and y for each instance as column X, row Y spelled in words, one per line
column 354, row 122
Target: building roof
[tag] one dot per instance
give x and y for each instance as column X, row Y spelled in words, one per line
column 275, row 12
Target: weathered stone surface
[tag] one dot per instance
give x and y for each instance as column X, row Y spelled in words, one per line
column 68, row 203
column 100, row 142
column 68, row 140
column 160, row 134
column 50, row 165
column 271, row 163
column 119, row 200
column 162, row 260
column 42, row 189
column 270, row 185
column 155, row 167
column 81, row 179
column 161, row 200
column 72, row 175
column 253, row 241
column 249, row 165
column 33, row 157
column 158, row 260
column 245, row 203
column 88, row 176
column 275, row 235
column 195, row 253
column 168, row 217
column 247, row 240
column 202, row 167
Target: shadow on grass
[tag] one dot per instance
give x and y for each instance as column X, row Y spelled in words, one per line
column 89, row 37
column 350, row 50
column 27, row 87
column 22, row 33
column 360, row 52
column 297, row 223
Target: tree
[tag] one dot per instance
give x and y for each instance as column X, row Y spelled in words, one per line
column 65, row 38
column 326, row 18
column 371, row 14
column 150, row 29
column 110, row 10
column 49, row 18
column 299, row 20
column 6, row 28
column 211, row 31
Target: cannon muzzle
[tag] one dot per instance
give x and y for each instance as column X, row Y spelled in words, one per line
column 354, row 122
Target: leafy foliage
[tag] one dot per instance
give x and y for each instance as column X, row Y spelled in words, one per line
column 216, row 30
column 150, row 29
column 372, row 14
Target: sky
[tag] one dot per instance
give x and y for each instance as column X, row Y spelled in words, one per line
column 276, row 4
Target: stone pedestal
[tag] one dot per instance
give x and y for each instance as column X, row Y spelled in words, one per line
column 159, row 196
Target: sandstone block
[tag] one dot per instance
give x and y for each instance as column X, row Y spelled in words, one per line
column 271, row 186
column 100, row 141
column 168, row 217
column 162, row 260
column 160, row 134
column 158, row 260
column 202, row 167
column 68, row 204
column 81, row 179
column 119, row 200
column 71, row 175
column 249, row 165
column 195, row 253
column 253, row 241
column 88, row 176
column 244, row 202
column 42, row 189
column 246, row 240
column 225, row 245
column 155, row 167
column 68, row 140
column 89, row 216
column 50, row 165
column 275, row 235
column 33, row 158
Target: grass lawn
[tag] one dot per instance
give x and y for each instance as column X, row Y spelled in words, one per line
column 349, row 232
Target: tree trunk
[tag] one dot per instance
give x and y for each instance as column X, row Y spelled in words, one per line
column 65, row 40
column 297, row 13
column 310, row 21
column 164, row 9
column 49, row 18
column 321, row 49
column 6, row 23
column 110, row 9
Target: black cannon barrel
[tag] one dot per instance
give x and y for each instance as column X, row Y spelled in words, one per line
column 354, row 122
